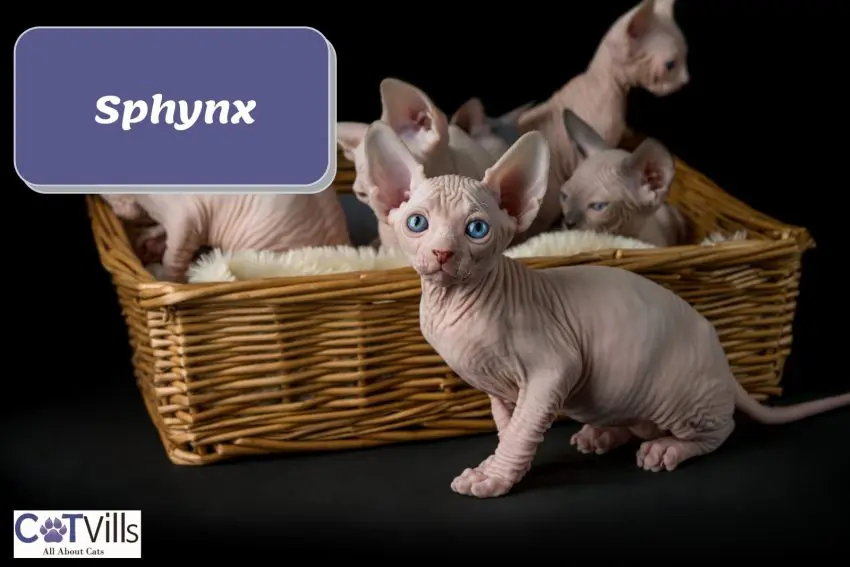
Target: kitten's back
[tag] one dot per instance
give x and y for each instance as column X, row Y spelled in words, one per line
column 591, row 290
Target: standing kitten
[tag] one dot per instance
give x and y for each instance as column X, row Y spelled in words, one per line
column 620, row 193
column 644, row 48
column 495, row 135
column 604, row 346
column 442, row 148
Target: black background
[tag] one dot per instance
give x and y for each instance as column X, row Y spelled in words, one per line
column 762, row 116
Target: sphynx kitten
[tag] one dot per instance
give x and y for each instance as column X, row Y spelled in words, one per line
column 441, row 147
column 187, row 222
column 495, row 135
column 604, row 346
column 616, row 192
column 643, row 48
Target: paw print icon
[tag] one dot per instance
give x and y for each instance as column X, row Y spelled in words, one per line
column 53, row 530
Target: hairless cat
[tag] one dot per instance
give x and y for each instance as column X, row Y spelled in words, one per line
column 494, row 134
column 186, row 222
column 643, row 48
column 441, row 147
column 146, row 237
column 604, row 346
column 621, row 193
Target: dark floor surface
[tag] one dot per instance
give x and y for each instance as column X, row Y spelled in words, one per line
column 769, row 487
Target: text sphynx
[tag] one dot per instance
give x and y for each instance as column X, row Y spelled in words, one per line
column 604, row 346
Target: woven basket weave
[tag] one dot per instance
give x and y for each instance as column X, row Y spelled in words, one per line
column 337, row 361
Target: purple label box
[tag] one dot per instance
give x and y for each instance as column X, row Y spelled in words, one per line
column 153, row 110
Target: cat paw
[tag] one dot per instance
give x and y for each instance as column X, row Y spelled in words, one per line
column 600, row 440
column 480, row 484
column 660, row 454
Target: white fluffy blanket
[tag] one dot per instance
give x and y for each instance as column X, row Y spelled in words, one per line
column 218, row 266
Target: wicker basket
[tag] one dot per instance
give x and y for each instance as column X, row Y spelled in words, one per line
column 337, row 361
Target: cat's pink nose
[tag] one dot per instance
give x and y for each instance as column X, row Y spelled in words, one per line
column 443, row 255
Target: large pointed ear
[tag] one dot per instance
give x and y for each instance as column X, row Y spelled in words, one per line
column 587, row 140
column 664, row 8
column 520, row 177
column 349, row 135
column 413, row 116
column 512, row 116
column 654, row 167
column 394, row 171
column 470, row 117
column 640, row 20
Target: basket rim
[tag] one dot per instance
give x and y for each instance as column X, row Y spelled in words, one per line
column 785, row 230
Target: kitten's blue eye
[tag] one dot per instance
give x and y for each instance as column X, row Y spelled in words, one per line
column 670, row 65
column 597, row 206
column 417, row 223
column 477, row 229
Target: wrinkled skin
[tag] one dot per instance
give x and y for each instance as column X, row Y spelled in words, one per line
column 146, row 237
column 606, row 347
column 616, row 192
column 270, row 222
column 495, row 135
column 644, row 48
column 442, row 148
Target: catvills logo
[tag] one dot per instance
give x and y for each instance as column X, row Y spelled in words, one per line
column 106, row 533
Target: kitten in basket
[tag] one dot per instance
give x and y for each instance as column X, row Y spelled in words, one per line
column 605, row 346
column 186, row 223
column 621, row 193
column 644, row 48
column 441, row 147
column 495, row 135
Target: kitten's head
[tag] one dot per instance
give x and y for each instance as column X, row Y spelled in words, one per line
column 494, row 134
column 414, row 118
column 613, row 190
column 453, row 228
column 648, row 45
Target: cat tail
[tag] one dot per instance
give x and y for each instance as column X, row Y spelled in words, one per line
column 774, row 415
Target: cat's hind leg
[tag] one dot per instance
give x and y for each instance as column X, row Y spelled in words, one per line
column 600, row 440
column 668, row 452
column 697, row 423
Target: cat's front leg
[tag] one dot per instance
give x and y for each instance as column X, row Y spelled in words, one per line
column 502, row 412
column 536, row 411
